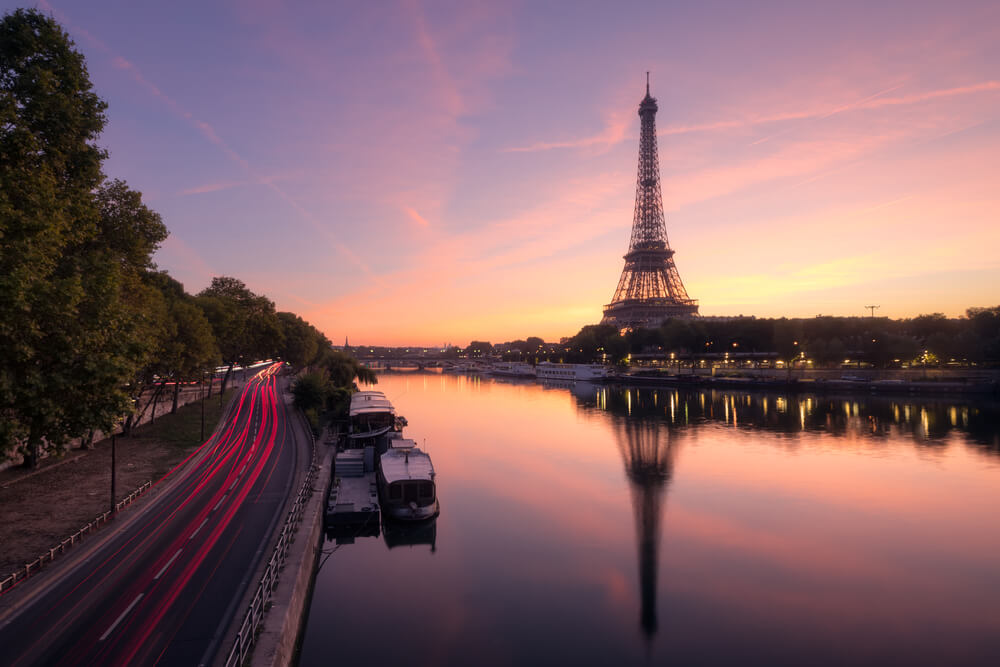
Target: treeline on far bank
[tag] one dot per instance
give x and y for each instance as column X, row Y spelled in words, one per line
column 928, row 340
column 88, row 324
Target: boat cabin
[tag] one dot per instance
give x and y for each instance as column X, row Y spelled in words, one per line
column 371, row 413
column 406, row 481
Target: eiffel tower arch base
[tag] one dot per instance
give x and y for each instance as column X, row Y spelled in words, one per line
column 645, row 313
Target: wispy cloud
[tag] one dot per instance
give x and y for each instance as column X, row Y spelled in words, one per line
column 210, row 134
column 416, row 217
column 875, row 101
column 614, row 132
column 616, row 128
column 212, row 187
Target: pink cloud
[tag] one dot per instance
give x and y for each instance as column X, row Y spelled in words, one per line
column 616, row 129
column 614, row 132
column 212, row 187
column 416, row 217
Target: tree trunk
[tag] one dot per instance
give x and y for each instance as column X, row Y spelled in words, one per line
column 156, row 395
column 88, row 442
column 33, row 449
column 177, row 390
column 225, row 379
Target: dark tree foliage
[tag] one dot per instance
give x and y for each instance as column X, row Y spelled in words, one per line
column 479, row 348
column 245, row 324
column 824, row 340
column 302, row 343
column 69, row 255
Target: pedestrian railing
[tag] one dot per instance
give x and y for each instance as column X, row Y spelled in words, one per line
column 261, row 600
column 34, row 566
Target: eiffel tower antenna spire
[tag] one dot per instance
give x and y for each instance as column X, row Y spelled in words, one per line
column 650, row 289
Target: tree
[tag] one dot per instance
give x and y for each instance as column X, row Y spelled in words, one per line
column 479, row 348
column 302, row 342
column 245, row 324
column 67, row 338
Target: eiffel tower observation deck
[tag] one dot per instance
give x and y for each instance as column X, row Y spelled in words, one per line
column 650, row 289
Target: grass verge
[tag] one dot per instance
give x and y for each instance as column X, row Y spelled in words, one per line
column 40, row 508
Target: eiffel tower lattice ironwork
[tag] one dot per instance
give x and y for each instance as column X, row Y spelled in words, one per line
column 650, row 289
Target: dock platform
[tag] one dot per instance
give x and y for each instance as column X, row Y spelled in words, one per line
column 353, row 498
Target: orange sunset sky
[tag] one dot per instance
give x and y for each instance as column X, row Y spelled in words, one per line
column 422, row 172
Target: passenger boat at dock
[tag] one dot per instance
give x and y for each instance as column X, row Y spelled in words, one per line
column 587, row 372
column 517, row 369
column 406, row 482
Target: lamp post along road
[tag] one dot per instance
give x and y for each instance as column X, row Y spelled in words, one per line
column 113, row 452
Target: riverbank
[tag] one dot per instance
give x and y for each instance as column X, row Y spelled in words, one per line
column 796, row 382
column 40, row 508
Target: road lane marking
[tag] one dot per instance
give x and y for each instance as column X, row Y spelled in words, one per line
column 198, row 529
column 121, row 618
column 233, row 484
column 219, row 504
column 169, row 562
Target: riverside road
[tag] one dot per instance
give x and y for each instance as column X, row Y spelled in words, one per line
column 164, row 586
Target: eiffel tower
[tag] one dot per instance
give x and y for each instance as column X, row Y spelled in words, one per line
column 650, row 289
column 648, row 453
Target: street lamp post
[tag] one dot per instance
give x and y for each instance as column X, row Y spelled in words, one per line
column 203, row 406
column 113, row 471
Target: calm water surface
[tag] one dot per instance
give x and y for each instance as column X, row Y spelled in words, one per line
column 611, row 526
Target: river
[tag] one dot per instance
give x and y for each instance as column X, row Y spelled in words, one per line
column 599, row 525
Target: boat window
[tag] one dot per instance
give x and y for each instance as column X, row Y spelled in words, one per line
column 410, row 492
column 426, row 490
column 395, row 491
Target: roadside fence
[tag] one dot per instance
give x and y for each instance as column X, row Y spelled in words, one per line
column 34, row 566
column 261, row 600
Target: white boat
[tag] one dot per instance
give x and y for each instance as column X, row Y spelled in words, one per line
column 587, row 372
column 517, row 369
column 406, row 482
column 371, row 415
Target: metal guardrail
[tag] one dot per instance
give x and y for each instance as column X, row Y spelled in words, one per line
column 247, row 634
column 31, row 568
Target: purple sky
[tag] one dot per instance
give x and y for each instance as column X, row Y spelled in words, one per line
column 407, row 172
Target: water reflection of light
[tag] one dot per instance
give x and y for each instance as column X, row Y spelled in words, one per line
column 781, row 404
column 672, row 419
column 832, row 541
column 725, row 404
column 802, row 415
column 925, row 422
column 953, row 414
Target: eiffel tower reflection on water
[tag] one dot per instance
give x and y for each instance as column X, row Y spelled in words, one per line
column 648, row 452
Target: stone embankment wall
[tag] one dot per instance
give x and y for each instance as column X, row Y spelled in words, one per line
column 164, row 404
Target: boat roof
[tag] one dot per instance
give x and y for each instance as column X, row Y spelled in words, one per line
column 370, row 402
column 404, row 461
